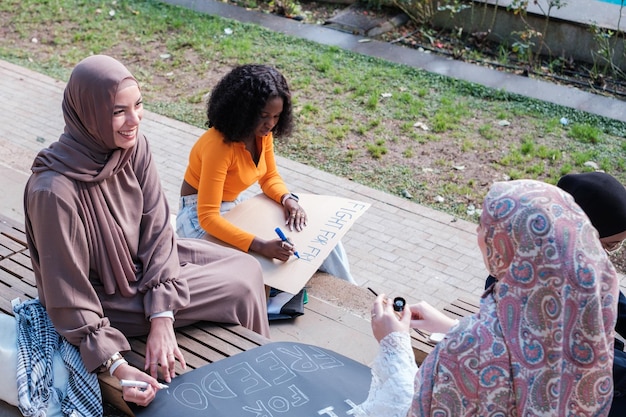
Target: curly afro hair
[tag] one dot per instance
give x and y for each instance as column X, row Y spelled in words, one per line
column 235, row 105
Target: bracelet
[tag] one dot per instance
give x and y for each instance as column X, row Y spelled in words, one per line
column 116, row 364
column 109, row 362
column 287, row 197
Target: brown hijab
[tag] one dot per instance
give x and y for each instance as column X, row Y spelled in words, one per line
column 86, row 153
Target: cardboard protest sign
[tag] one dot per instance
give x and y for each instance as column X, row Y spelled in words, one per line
column 329, row 218
column 277, row 379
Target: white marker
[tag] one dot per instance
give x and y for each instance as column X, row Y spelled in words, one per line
column 139, row 384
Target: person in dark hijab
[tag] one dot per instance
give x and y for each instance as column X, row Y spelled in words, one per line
column 106, row 260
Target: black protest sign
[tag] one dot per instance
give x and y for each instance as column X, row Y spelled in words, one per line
column 277, row 379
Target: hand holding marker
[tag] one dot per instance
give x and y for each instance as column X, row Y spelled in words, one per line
column 139, row 384
column 282, row 237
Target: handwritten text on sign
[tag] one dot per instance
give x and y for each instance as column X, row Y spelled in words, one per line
column 330, row 232
column 278, row 379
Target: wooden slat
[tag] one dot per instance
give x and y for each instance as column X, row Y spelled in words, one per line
column 112, row 393
column 229, row 339
column 12, row 238
column 22, row 260
column 421, row 346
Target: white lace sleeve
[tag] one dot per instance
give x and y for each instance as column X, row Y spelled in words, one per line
column 393, row 373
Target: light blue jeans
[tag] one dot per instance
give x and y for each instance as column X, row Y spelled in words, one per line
column 188, row 225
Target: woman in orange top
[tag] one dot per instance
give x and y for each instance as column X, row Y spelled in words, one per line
column 246, row 109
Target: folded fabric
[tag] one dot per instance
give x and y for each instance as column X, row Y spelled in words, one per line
column 37, row 343
column 283, row 305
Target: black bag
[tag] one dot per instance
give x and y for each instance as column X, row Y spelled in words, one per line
column 290, row 305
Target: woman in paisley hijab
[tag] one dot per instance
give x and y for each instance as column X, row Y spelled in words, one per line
column 105, row 257
column 542, row 342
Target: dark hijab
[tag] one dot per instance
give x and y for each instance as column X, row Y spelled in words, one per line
column 602, row 197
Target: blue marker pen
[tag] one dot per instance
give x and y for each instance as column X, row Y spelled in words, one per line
column 282, row 237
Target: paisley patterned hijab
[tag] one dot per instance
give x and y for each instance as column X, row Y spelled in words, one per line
column 542, row 343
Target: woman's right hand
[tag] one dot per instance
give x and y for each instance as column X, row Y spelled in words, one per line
column 139, row 396
column 385, row 320
column 273, row 249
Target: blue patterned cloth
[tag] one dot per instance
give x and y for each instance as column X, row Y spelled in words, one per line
column 37, row 342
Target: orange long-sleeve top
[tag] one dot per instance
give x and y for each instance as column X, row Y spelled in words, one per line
column 220, row 171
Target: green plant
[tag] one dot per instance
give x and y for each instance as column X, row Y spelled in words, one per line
column 584, row 133
column 523, row 47
column 580, row 157
column 551, row 4
column 604, row 58
column 565, row 169
column 377, row 150
column 551, row 155
column 467, row 145
column 420, row 11
column 527, row 147
column 486, row 131
column 289, row 8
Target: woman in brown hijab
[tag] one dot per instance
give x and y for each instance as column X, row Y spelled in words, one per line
column 106, row 260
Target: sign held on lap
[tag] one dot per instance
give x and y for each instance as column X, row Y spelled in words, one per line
column 328, row 220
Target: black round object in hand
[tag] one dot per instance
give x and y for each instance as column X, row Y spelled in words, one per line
column 399, row 303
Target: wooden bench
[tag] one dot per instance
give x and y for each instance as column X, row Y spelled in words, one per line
column 422, row 345
column 201, row 344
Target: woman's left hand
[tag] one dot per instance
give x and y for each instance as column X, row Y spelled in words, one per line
column 385, row 320
column 295, row 216
column 162, row 349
